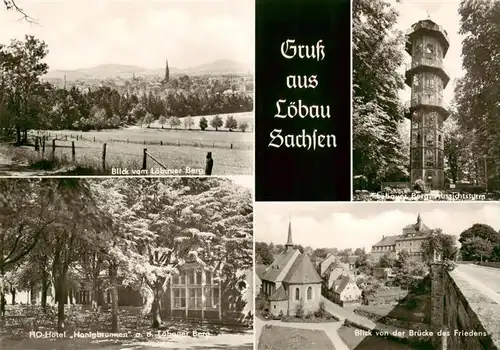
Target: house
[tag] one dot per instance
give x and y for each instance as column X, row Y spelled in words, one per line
column 325, row 264
column 344, row 291
column 411, row 240
column 351, row 261
column 291, row 281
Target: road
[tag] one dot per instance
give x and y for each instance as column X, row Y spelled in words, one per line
column 484, row 279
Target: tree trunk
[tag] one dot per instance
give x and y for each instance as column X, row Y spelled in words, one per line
column 32, row 295
column 156, row 308
column 25, row 136
column 45, row 288
column 18, row 135
column 61, row 300
column 2, row 303
column 113, row 274
column 13, row 293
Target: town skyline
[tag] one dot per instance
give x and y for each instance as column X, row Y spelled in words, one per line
column 344, row 225
column 143, row 33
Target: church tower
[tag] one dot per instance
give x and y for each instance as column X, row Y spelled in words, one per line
column 167, row 73
column 427, row 44
column 289, row 242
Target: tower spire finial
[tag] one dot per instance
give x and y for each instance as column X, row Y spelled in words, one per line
column 289, row 242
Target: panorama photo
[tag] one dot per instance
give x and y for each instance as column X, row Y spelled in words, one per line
column 126, row 87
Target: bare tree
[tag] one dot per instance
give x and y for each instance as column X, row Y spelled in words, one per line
column 11, row 5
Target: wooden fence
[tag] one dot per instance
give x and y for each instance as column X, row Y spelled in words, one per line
column 40, row 146
column 178, row 143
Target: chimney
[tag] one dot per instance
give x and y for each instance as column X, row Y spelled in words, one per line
column 383, row 236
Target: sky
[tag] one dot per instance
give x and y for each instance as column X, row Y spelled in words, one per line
column 246, row 181
column 358, row 225
column 86, row 33
column 444, row 13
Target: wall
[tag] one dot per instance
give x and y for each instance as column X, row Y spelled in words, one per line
column 458, row 306
column 309, row 305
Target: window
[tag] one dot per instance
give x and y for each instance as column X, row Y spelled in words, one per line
column 309, row 293
column 175, row 279
column 198, row 277
column 191, row 278
column 195, row 298
column 274, row 306
column 215, row 297
column 208, row 277
column 208, row 297
column 297, row 294
column 179, row 298
column 429, row 49
column 183, row 278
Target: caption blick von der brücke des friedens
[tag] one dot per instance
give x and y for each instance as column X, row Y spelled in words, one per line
column 299, row 109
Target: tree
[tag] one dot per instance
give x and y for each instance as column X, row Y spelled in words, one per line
column 21, row 68
column 139, row 112
column 262, row 250
column 162, row 120
column 203, row 123
column 378, row 51
column 12, row 5
column 476, row 93
column 188, row 122
column 439, row 243
column 359, row 251
column 243, row 126
column 483, row 231
column 148, row 119
column 387, row 260
column 231, row 123
column 476, row 249
column 216, row 122
column 174, row 122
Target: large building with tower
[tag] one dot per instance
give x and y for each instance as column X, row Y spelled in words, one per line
column 427, row 43
column 410, row 240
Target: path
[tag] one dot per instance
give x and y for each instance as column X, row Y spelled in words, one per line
column 484, row 279
column 330, row 328
column 343, row 314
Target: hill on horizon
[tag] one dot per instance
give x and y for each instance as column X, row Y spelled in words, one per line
column 105, row 71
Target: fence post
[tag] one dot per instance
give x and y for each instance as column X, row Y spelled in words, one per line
column 94, row 138
column 213, row 146
column 127, row 140
column 231, row 146
column 73, row 154
column 76, row 137
column 161, row 144
column 144, row 159
column 66, row 137
column 209, row 165
column 104, row 156
column 53, row 148
column 144, row 141
column 179, row 143
column 36, row 144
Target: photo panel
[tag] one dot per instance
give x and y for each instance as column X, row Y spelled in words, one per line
column 365, row 275
column 113, row 263
column 134, row 88
column 425, row 103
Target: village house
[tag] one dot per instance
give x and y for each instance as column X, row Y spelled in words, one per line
column 291, row 281
column 344, row 291
column 325, row 264
column 410, row 240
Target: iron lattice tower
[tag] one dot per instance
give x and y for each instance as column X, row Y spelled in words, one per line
column 427, row 43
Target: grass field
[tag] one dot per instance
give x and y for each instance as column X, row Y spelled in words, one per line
column 277, row 338
column 181, row 152
column 358, row 342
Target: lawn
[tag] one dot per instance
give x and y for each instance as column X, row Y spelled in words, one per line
column 278, row 338
column 88, row 154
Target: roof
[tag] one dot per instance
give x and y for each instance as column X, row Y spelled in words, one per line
column 414, row 226
column 386, row 241
column 330, row 268
column 260, row 270
column 280, row 294
column 280, row 261
column 302, row 271
column 343, row 281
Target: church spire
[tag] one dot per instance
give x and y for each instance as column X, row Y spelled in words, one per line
column 289, row 242
column 167, row 72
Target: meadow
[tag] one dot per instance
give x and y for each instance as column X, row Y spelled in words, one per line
column 180, row 151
